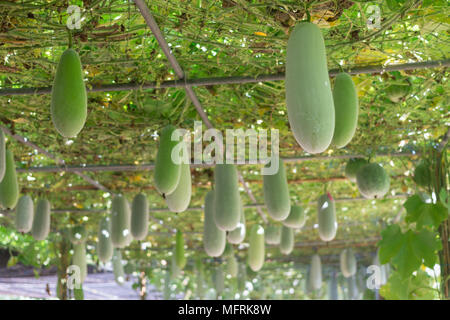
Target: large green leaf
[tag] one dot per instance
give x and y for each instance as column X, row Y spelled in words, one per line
column 391, row 242
column 406, row 259
column 426, row 244
column 406, row 251
column 424, row 214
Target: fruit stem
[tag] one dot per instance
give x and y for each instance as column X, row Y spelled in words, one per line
column 70, row 38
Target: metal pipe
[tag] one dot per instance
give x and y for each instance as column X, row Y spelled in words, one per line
column 227, row 80
column 151, row 166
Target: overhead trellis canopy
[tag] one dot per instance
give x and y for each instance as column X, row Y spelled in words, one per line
column 232, row 53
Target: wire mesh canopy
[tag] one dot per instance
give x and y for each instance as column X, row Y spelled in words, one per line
column 151, row 63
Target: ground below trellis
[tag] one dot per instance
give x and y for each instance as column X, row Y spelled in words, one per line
column 97, row 286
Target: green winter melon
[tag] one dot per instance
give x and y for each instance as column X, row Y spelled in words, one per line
column 79, row 259
column 232, row 266
column 287, row 240
column 346, row 110
column 352, row 167
column 119, row 273
column 104, row 244
column 174, row 270
column 166, row 291
column 373, row 181
column 273, row 234
column 214, row 239
column 218, row 280
column 397, row 92
column 120, row 221
column 255, row 254
column 326, row 217
column 348, row 263
column 180, row 257
column 24, row 214
column 179, row 199
column 422, row 174
column 333, row 288
column 315, row 273
column 78, row 294
column 227, row 200
column 353, row 291
column 69, row 98
column 139, row 217
column 309, row 98
column 9, row 187
column 237, row 235
column 276, row 193
column 296, row 218
column 200, row 278
column 2, row 154
column 78, row 235
column 41, row 220
column 167, row 172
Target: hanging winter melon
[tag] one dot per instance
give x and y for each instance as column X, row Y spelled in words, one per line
column 422, row 174
column 346, row 108
column 24, row 214
column 348, row 263
column 104, row 244
column 255, row 254
column 232, row 266
column 9, row 187
column 69, row 98
column 180, row 257
column 227, row 200
column 41, row 220
column 139, row 217
column 214, row 239
column 218, row 279
column 167, row 171
column 120, row 221
column 308, row 91
column 333, row 287
column 315, row 273
column 179, row 199
column 78, row 234
column 79, row 259
column 373, row 181
column 296, row 218
column 287, row 240
column 276, row 193
column 273, row 234
column 119, row 273
column 2, row 154
column 326, row 217
column 237, row 235
column 352, row 167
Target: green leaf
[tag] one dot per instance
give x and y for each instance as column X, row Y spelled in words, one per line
column 416, row 287
column 408, row 250
column 406, row 260
column 426, row 244
column 443, row 196
column 424, row 214
column 391, row 242
column 12, row 261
